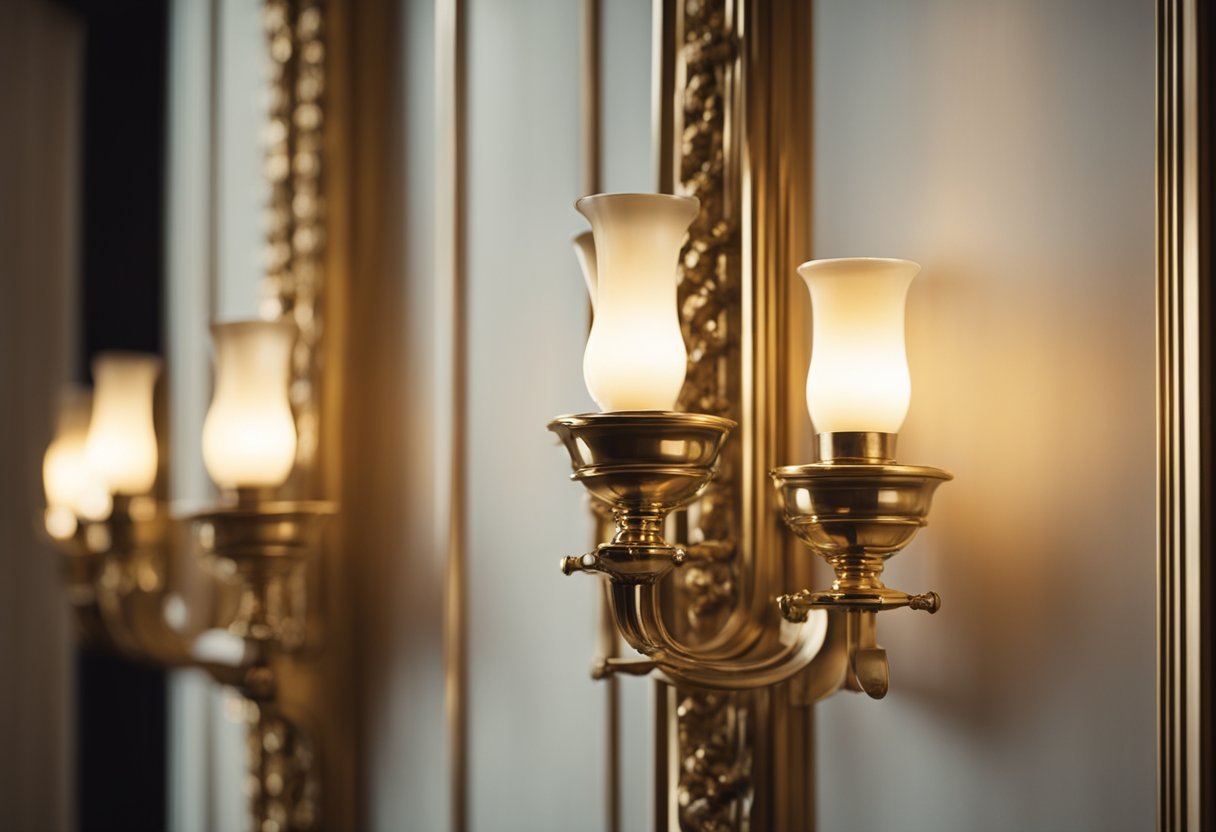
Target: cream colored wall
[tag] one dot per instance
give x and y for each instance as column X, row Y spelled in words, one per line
column 41, row 61
column 537, row 728
column 1008, row 147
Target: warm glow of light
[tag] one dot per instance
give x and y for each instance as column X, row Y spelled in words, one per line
column 72, row 488
column 249, row 436
column 60, row 522
column 122, row 439
column 584, row 252
column 858, row 380
column 635, row 358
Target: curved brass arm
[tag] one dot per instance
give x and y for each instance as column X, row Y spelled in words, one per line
column 637, row 612
column 634, row 566
column 643, row 465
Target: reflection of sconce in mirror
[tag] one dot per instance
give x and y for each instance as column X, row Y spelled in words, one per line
column 249, row 448
column 116, row 539
column 855, row 506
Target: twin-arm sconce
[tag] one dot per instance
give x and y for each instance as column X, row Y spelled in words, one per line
column 855, row 506
column 100, row 472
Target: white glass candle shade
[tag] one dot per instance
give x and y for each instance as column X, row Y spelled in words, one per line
column 635, row 357
column 858, row 379
column 249, row 435
column 72, row 488
column 121, row 446
column 584, row 252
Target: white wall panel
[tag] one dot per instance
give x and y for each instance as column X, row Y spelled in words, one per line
column 537, row 741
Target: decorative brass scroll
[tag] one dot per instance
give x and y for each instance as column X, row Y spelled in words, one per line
column 714, row 783
column 283, row 777
column 295, row 216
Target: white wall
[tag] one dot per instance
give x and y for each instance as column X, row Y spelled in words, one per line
column 1007, row 145
column 537, row 737
column 536, row 729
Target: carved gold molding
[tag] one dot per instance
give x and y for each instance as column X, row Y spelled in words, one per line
column 735, row 79
column 296, row 758
column 713, row 729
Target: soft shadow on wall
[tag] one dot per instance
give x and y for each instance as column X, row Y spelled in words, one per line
column 1009, row 148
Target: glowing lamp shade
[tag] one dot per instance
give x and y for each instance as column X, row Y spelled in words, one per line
column 858, row 379
column 635, row 358
column 249, row 435
column 584, row 252
column 121, row 447
column 72, row 488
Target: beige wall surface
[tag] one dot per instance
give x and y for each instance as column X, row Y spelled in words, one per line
column 41, row 55
column 1008, row 147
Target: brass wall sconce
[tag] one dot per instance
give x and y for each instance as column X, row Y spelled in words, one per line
column 855, row 507
column 116, row 539
column 640, row 460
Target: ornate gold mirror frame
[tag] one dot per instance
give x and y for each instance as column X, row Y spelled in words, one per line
column 735, row 131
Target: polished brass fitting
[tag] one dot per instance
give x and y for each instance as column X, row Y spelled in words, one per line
column 855, row 508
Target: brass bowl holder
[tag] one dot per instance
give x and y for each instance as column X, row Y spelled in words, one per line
column 855, row 508
column 261, row 543
column 643, row 465
column 114, row 570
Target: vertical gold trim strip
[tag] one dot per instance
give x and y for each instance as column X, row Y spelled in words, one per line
column 1184, row 198
column 1184, row 358
column 591, row 111
column 213, row 160
column 591, row 105
column 449, row 256
column 662, row 73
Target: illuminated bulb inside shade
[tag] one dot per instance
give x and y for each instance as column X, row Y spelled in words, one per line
column 584, row 251
column 249, row 436
column 72, row 489
column 635, row 358
column 121, row 447
column 858, row 379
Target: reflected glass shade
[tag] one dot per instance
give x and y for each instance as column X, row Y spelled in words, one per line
column 858, row 380
column 635, row 357
column 584, row 252
column 121, row 446
column 249, row 435
column 72, row 488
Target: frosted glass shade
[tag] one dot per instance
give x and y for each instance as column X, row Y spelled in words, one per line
column 858, row 380
column 72, row 488
column 635, row 357
column 121, row 447
column 249, row 435
column 584, row 252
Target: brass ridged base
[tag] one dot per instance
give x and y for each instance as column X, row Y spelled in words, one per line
column 642, row 464
column 260, row 544
column 855, row 515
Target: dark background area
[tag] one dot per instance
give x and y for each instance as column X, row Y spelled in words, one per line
column 121, row 705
